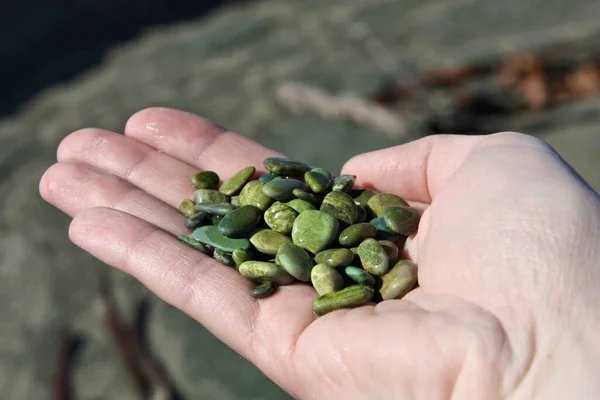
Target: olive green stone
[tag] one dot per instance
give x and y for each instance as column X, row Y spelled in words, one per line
column 314, row 230
column 211, row 236
column 391, row 250
column 265, row 178
column 350, row 297
column 223, row 257
column 265, row 289
column 234, row 184
column 295, row 260
column 335, row 257
column 316, row 182
column 240, row 221
column 400, row 280
column 215, row 209
column 360, row 276
column 300, row 205
column 193, row 243
column 240, row 256
column 267, row 241
column 356, row 233
column 304, row 195
column 260, row 271
column 280, row 217
column 402, row 220
column 325, row 279
column 210, row 196
column 235, row 200
column 205, row 180
column 341, row 206
column 343, row 183
column 282, row 189
column 252, row 195
column 383, row 232
column 379, row 202
column 373, row 257
column 361, row 214
column 186, row 208
column 196, row 220
column 323, row 172
column 363, row 198
column 285, row 166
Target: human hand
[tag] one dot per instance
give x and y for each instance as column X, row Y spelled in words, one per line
column 507, row 250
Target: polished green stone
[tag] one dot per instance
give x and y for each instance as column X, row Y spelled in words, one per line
column 350, row 297
column 205, row 180
column 325, row 279
column 282, row 189
column 402, row 220
column 400, row 280
column 295, row 260
column 304, row 195
column 186, row 208
column 252, row 195
column 240, row 221
column 280, row 217
column 360, row 276
column 223, row 257
column 285, row 166
column 260, row 271
column 266, row 178
column 356, row 233
column 323, row 172
column 335, row 257
column 383, row 232
column 265, row 289
column 267, row 241
column 193, row 243
column 210, row 196
column 314, row 230
column 316, row 182
column 373, row 257
column 215, row 209
column 234, row 184
column 300, row 205
column 377, row 204
column 196, row 220
column 392, row 251
column 363, row 197
column 341, row 206
column 211, row 236
column 343, row 183
column 240, row 256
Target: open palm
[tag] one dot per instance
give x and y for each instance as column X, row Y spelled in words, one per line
column 498, row 248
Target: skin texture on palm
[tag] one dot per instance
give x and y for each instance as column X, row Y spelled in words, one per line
column 506, row 249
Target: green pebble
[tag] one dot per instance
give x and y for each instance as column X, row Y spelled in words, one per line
column 350, row 297
column 211, row 236
column 210, row 196
column 363, row 197
column 193, row 243
column 240, row 256
column 282, row 189
column 265, row 289
column 373, row 257
column 360, row 276
column 234, row 184
column 400, row 280
column 285, row 166
column 240, row 221
column 186, row 208
column 280, row 217
column 260, row 271
column 323, row 172
column 304, row 195
column 266, row 178
column 295, row 260
column 316, row 182
column 383, row 232
column 325, row 279
column 391, row 250
column 267, row 241
column 196, row 220
column 205, row 180
column 343, row 183
column 341, row 206
column 402, row 220
column 361, row 214
column 357, row 233
column 300, row 205
column 335, row 257
column 379, row 202
column 235, row 200
column 252, row 195
column 215, row 209
column 223, row 257
column 314, row 230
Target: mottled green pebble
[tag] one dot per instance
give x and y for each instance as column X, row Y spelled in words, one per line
column 234, row 184
column 205, row 180
column 335, row 257
column 402, row 220
column 295, row 260
column 391, row 250
column 252, row 195
column 343, row 183
column 266, row 178
column 210, row 196
column 260, row 271
column 361, row 214
column 240, row 221
column 282, row 189
column 240, row 256
column 186, row 208
column 363, row 197
column 265, row 289
column 235, row 200
column 341, row 206
column 360, row 276
column 267, row 241
column 300, row 205
column 211, row 236
column 373, row 257
column 356, row 233
column 350, row 297
column 215, row 209
column 400, row 280
column 280, row 217
column 383, row 232
column 379, row 202
column 285, row 166
column 323, row 172
column 325, row 279
column 316, row 182
column 193, row 243
column 223, row 257
column 196, row 220
column 314, row 230
column 304, row 195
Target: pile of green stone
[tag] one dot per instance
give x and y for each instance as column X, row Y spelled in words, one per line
column 297, row 223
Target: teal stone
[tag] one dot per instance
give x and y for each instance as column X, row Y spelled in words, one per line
column 383, row 232
column 282, row 189
column 252, row 195
column 215, row 209
column 211, row 236
column 240, row 221
column 280, row 217
column 402, row 220
column 314, row 230
column 265, row 289
column 267, row 241
column 360, row 276
column 210, row 196
column 317, row 182
column 234, row 184
column 205, row 180
column 260, row 271
column 304, row 195
column 343, row 183
column 341, row 206
column 335, row 257
column 266, row 178
column 295, row 260
column 285, row 166
column 356, row 233
column 373, row 257
column 300, row 205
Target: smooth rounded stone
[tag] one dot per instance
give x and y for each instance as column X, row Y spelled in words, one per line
column 196, row 220
column 391, row 250
column 235, row 200
column 400, row 280
column 211, row 236
column 267, row 241
column 215, row 209
column 265, row 289
column 350, row 297
column 335, row 257
column 266, row 178
column 205, row 180
column 304, row 195
column 186, row 208
column 280, row 217
column 383, row 232
column 260, row 271
column 240, row 221
column 360, row 276
column 210, row 196
column 194, row 244
column 316, row 182
column 295, row 260
column 285, row 166
column 240, row 256
column 373, row 257
column 223, row 257
column 343, row 183
column 300, row 205
column 234, row 184
column 379, row 202
column 314, row 230
column 325, row 279
column 252, row 195
column 402, row 220
column 282, row 189
column 356, row 233
column 361, row 214
column 323, row 172
column 363, row 197
column 341, row 206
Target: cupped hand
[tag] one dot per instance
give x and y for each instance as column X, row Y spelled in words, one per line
column 507, row 248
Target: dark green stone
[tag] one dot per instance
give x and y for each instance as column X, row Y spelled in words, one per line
column 205, row 180
column 216, row 219
column 304, row 195
column 265, row 289
column 314, row 230
column 379, row 202
column 300, row 205
column 210, row 196
column 252, row 195
column 360, row 276
column 196, row 221
column 280, row 217
column 211, row 236
column 400, row 280
column 240, row 221
column 383, row 232
column 361, row 214
column 335, row 257
column 350, row 297
column 285, row 166
column 282, row 189
column 295, row 260
column 223, row 257
column 373, row 257
column 343, row 183
column 267, row 241
column 391, row 250
column 323, row 172
column 194, row 244
column 266, row 178
column 356, row 233
column 363, row 197
column 186, row 208
column 341, row 206
column 260, row 271
column 325, row 279
column 215, row 209
column 234, row 184
column 316, row 182
column 402, row 220
column 240, row 256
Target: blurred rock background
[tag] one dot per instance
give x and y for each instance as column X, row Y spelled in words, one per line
column 69, row 64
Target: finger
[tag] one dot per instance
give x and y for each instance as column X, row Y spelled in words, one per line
column 263, row 331
column 196, row 140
